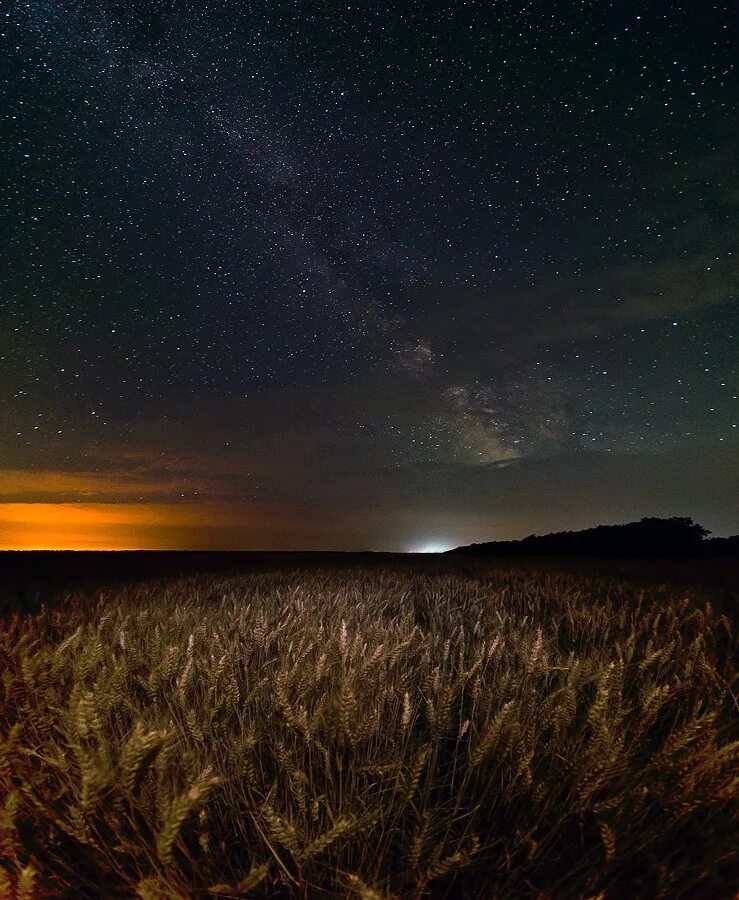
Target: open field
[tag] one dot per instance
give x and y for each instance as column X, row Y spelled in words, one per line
column 371, row 730
column 29, row 578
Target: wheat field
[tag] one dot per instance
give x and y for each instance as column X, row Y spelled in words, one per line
column 370, row 733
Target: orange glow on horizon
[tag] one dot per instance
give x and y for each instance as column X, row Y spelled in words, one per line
column 148, row 526
column 95, row 526
column 44, row 509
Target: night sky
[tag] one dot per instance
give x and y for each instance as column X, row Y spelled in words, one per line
column 364, row 275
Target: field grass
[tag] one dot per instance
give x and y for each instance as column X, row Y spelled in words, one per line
column 370, row 732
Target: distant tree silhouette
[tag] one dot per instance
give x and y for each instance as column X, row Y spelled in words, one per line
column 650, row 537
column 722, row 547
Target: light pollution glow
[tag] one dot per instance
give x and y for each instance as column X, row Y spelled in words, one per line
column 113, row 509
column 94, row 526
column 433, row 547
column 140, row 526
column 143, row 526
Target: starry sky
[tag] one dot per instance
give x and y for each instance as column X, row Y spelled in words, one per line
column 364, row 275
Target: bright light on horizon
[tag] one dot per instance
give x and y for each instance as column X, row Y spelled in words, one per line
column 432, row 547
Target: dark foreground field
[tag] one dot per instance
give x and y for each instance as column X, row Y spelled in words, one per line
column 366, row 727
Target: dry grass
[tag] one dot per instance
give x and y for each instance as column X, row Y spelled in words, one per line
column 369, row 734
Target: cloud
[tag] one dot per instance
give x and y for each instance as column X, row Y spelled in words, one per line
column 492, row 327
column 39, row 484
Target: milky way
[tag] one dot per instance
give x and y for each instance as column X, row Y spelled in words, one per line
column 367, row 276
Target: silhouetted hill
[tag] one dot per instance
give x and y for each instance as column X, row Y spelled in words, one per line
column 648, row 538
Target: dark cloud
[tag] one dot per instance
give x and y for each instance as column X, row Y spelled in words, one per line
column 493, row 325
